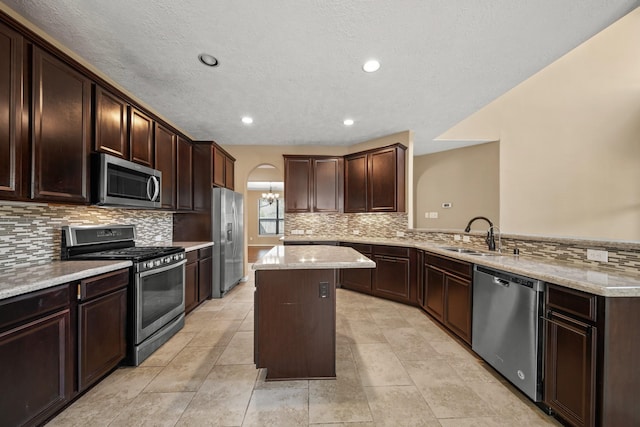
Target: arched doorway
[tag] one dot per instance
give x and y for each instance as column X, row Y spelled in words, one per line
column 265, row 218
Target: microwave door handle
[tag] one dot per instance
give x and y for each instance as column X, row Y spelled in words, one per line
column 148, row 189
column 156, row 186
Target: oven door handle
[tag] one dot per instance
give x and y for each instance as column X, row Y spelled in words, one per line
column 162, row 269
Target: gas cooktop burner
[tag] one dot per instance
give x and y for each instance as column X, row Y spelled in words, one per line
column 134, row 253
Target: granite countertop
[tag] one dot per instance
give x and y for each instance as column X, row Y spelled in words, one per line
column 22, row 280
column 312, row 257
column 583, row 278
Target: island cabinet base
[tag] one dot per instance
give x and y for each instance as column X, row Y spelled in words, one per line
column 295, row 323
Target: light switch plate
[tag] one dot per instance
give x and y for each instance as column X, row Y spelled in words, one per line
column 356, row 232
column 399, row 233
column 466, row 239
column 457, row 237
column 433, row 215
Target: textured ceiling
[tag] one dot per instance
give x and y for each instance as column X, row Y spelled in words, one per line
column 295, row 65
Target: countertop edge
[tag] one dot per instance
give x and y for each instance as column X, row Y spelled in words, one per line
column 85, row 269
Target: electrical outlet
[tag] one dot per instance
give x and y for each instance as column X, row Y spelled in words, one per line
column 447, row 205
column 158, row 238
column 597, row 255
column 309, row 231
column 356, row 232
column 399, row 233
column 433, row 215
column 466, row 239
column 457, row 237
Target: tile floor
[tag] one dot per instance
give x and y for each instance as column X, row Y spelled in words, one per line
column 395, row 367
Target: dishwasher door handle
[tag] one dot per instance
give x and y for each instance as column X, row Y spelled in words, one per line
column 501, row 282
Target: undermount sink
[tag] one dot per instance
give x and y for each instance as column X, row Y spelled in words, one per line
column 469, row 251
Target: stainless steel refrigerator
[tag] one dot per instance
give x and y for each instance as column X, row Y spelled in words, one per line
column 228, row 235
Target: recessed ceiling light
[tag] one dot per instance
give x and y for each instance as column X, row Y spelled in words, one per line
column 348, row 122
column 371, row 66
column 247, row 120
column 208, row 60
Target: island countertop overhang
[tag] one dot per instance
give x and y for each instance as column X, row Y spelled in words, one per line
column 312, row 257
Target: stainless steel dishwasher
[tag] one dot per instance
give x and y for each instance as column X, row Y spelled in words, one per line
column 506, row 327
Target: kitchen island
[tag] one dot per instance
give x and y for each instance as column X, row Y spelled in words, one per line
column 295, row 309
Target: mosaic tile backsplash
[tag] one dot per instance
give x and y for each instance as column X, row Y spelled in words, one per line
column 623, row 257
column 31, row 233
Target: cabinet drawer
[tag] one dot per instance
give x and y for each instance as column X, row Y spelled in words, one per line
column 192, row 256
column 391, row 251
column 578, row 303
column 103, row 284
column 362, row 248
column 205, row 252
column 460, row 268
column 21, row 308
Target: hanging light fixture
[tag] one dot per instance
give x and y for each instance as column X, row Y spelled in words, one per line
column 270, row 196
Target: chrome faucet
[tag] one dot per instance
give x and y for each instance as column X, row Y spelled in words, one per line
column 490, row 240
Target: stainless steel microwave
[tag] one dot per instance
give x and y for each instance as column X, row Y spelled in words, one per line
column 121, row 183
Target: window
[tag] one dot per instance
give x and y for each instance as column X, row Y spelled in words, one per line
column 270, row 217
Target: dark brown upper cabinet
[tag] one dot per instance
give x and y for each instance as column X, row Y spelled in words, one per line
column 61, row 98
column 184, row 179
column 165, row 156
column 13, row 143
column 141, row 137
column 313, row 183
column 111, row 124
column 375, row 180
column 223, row 168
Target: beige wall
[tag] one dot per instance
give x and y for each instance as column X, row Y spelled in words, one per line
column 570, row 141
column 468, row 178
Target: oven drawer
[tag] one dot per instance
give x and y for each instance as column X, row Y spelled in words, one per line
column 101, row 285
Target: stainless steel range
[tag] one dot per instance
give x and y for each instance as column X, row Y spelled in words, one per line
column 156, row 291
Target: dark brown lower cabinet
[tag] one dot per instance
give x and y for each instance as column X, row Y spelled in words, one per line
column 570, row 369
column 395, row 275
column 36, row 344
column 191, row 282
column 447, row 293
column 205, row 273
column 357, row 279
column 198, row 276
column 102, row 317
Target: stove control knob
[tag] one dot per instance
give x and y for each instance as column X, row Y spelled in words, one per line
column 176, row 257
column 157, row 262
column 167, row 260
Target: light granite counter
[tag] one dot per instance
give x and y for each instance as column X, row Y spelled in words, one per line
column 22, row 280
column 312, row 257
column 577, row 277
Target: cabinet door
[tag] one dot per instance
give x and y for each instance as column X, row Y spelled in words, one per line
column 357, row 279
column 36, row 376
column 165, row 149
column 190, row 286
column 13, row 166
column 141, row 138
column 111, row 124
column 392, row 278
column 205, row 274
column 229, row 173
column 355, row 183
column 61, row 131
column 570, row 369
column 297, row 184
column 219, row 162
column 457, row 311
column 184, row 177
column 327, row 185
column 101, row 336
column 434, row 292
column 382, row 196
